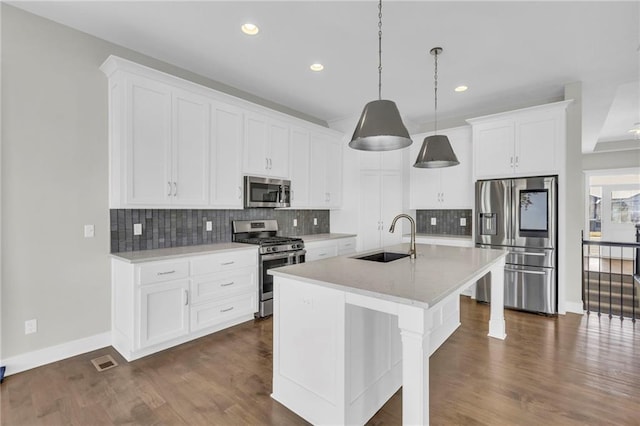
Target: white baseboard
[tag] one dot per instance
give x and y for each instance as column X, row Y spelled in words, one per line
column 574, row 307
column 29, row 360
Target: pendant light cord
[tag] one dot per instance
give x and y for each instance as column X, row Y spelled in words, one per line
column 435, row 91
column 380, row 50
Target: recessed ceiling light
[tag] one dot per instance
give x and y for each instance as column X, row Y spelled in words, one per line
column 250, row 29
column 316, row 67
column 461, row 88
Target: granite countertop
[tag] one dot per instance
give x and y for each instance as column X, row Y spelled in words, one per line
column 322, row 237
column 177, row 252
column 433, row 275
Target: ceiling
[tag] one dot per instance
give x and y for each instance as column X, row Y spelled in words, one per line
column 510, row 54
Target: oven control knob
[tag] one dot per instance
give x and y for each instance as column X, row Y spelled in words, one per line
column 274, row 248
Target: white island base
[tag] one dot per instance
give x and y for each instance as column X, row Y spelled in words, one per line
column 340, row 352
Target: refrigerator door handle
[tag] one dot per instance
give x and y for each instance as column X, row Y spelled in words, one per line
column 525, row 271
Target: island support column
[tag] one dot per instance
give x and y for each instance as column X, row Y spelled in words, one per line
column 415, row 329
column 497, row 326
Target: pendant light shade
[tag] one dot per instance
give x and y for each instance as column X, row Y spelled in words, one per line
column 380, row 128
column 436, row 150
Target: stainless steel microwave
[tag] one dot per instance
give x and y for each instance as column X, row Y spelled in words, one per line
column 266, row 192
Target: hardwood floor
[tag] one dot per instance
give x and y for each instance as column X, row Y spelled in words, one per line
column 569, row 370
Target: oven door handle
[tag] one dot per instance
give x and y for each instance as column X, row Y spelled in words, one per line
column 525, row 271
column 283, row 255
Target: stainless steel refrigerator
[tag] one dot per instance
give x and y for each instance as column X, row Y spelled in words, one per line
column 521, row 216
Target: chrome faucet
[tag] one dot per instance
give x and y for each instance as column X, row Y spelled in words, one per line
column 412, row 247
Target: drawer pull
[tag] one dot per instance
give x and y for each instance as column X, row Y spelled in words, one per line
column 227, row 263
column 322, row 254
column 227, row 284
column 226, row 310
column 167, row 272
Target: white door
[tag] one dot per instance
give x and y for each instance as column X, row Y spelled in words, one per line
column 391, row 206
column 318, row 178
column 334, row 172
column 226, row 157
column 148, row 142
column 191, row 140
column 300, row 168
column 493, row 149
column 536, row 146
column 255, row 145
column 456, row 182
column 164, row 312
column 370, row 201
column 620, row 212
column 278, row 150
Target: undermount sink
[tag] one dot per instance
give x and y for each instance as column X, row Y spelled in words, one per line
column 384, row 256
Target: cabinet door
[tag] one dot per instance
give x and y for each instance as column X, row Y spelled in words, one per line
column 147, row 142
column 191, row 140
column 370, row 201
column 319, row 158
column 334, row 172
column 226, row 157
column 300, row 168
column 278, row 154
column 255, row 145
column 493, row 149
column 536, row 146
column 457, row 182
column 391, row 206
column 164, row 312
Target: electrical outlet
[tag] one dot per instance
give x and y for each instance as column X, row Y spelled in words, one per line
column 433, row 221
column 137, row 229
column 30, row 326
column 463, row 221
column 315, row 221
column 89, row 231
column 295, row 222
column 209, row 225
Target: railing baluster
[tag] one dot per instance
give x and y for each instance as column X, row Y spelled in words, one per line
column 633, row 263
column 621, row 285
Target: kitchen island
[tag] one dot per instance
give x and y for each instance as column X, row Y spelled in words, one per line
column 349, row 332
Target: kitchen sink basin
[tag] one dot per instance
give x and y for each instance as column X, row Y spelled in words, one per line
column 384, row 256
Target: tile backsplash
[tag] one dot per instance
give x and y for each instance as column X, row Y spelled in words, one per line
column 181, row 227
column 447, row 222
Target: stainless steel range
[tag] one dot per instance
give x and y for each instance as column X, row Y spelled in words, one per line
column 275, row 251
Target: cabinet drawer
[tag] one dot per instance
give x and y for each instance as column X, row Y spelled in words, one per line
column 163, row 271
column 219, row 311
column 317, row 253
column 208, row 287
column 223, row 262
column 346, row 246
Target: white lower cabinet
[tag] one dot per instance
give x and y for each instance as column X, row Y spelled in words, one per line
column 160, row 304
column 164, row 312
column 317, row 250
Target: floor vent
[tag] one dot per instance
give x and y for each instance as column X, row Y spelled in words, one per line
column 104, row 363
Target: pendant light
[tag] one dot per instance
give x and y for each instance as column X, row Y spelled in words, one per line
column 436, row 150
column 380, row 127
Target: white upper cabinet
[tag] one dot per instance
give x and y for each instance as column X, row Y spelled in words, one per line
column 143, row 129
column 174, row 143
column 446, row 187
column 266, row 146
column 299, row 167
column 525, row 142
column 226, row 157
column 190, row 155
column 326, row 171
column 164, row 147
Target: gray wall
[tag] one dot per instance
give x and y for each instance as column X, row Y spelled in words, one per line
column 55, row 180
